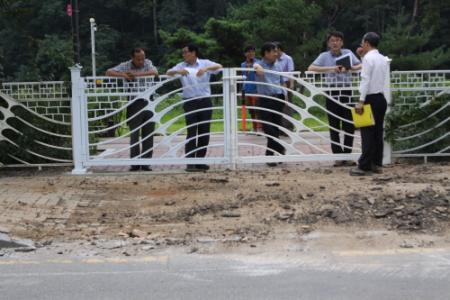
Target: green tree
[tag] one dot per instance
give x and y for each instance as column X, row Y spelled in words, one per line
column 407, row 44
column 291, row 22
column 54, row 57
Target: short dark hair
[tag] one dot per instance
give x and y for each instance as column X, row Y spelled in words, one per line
column 193, row 48
column 267, row 47
column 278, row 45
column 136, row 50
column 249, row 48
column 372, row 38
column 336, row 34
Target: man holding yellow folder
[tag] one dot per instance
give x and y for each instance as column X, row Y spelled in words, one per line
column 371, row 89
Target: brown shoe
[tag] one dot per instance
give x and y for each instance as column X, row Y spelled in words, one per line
column 377, row 170
column 339, row 163
column 359, row 172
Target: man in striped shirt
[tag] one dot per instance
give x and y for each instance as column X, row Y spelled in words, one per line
column 137, row 114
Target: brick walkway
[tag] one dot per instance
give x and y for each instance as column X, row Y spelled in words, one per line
column 250, row 144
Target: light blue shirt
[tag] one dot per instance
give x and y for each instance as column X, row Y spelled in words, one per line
column 327, row 59
column 250, row 76
column 194, row 86
column 286, row 62
column 274, row 79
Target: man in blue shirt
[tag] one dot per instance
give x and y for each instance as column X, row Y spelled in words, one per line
column 137, row 114
column 272, row 120
column 287, row 65
column 250, row 88
column 195, row 74
column 337, row 77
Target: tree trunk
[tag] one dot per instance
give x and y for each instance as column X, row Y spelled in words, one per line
column 416, row 10
column 155, row 24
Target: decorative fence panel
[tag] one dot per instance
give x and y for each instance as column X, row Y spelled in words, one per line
column 35, row 124
column 419, row 122
column 36, row 127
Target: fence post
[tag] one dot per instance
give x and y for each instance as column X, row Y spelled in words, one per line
column 77, row 120
column 387, row 148
column 234, row 126
column 226, row 115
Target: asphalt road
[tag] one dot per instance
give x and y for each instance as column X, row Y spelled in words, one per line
column 405, row 274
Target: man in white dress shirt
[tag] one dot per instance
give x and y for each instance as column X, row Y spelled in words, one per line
column 195, row 74
column 371, row 89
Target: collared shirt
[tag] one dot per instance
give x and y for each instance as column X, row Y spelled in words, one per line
column 250, row 76
column 373, row 74
column 129, row 66
column 139, row 84
column 328, row 59
column 286, row 62
column 194, row 86
column 274, row 79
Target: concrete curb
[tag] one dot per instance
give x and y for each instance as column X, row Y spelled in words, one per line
column 7, row 242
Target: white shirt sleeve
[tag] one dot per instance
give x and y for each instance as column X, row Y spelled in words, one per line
column 366, row 72
column 177, row 67
column 209, row 63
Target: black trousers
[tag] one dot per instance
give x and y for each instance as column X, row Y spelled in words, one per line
column 337, row 124
column 288, row 111
column 271, row 130
column 197, row 134
column 141, row 115
column 372, row 137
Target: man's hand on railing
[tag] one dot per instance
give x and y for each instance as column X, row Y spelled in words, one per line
column 258, row 69
column 340, row 69
column 128, row 76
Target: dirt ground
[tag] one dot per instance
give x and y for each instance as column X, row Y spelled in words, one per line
column 407, row 206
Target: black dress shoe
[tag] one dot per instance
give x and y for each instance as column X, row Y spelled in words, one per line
column 192, row 168
column 272, row 164
column 202, row 167
column 146, row 168
column 359, row 172
column 134, row 168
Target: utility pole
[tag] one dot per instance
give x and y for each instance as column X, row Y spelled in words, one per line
column 76, row 37
column 155, row 23
column 93, row 30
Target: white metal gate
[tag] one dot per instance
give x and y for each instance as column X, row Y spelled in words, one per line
column 308, row 140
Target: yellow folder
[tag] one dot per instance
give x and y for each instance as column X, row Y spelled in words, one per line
column 364, row 120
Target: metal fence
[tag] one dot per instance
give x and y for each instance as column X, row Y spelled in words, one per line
column 420, row 117
column 305, row 139
column 35, row 124
column 35, row 128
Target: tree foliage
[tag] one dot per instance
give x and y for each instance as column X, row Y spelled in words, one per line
column 37, row 44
